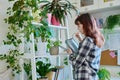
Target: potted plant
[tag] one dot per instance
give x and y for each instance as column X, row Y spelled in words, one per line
column 111, row 22
column 43, row 69
column 103, row 74
column 58, row 9
column 54, row 46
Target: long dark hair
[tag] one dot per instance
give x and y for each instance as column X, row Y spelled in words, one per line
column 88, row 25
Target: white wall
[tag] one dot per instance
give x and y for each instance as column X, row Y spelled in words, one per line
column 3, row 26
column 4, row 73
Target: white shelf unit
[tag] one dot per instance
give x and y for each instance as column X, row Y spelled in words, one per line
column 97, row 5
column 32, row 56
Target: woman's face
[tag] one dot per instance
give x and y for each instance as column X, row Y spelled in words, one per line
column 80, row 27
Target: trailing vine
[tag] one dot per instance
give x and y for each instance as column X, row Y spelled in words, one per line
column 12, row 59
column 20, row 19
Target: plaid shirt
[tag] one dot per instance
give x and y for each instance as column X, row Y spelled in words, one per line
column 86, row 62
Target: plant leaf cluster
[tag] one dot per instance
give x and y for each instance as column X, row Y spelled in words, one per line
column 103, row 74
column 27, row 68
column 20, row 21
column 43, row 68
column 58, row 8
column 12, row 58
column 112, row 21
column 55, row 43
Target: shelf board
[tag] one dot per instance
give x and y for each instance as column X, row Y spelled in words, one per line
column 115, row 29
column 31, row 55
column 52, row 26
column 99, row 10
column 59, row 55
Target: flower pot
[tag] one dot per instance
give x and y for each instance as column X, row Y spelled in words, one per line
column 49, row 16
column 50, row 75
column 54, row 50
column 43, row 78
column 54, row 21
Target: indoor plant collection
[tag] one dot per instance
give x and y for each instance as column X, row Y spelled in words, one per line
column 20, row 21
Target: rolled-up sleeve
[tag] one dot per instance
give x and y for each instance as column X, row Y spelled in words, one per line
column 86, row 46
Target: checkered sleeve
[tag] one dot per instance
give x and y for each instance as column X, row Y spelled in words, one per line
column 83, row 52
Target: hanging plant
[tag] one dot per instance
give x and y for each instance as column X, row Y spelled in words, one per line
column 112, row 21
column 20, row 21
column 12, row 58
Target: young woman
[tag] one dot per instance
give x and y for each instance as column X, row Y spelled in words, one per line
column 87, row 61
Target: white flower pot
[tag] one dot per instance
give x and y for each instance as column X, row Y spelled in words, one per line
column 54, row 50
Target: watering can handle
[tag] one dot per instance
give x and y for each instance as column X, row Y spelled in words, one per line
column 78, row 35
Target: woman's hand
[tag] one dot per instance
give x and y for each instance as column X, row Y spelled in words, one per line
column 78, row 36
column 69, row 51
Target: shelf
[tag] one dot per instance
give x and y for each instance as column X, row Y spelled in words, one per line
column 52, row 26
column 30, row 55
column 115, row 29
column 48, row 55
column 99, row 10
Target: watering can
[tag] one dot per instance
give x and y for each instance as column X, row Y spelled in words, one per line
column 72, row 44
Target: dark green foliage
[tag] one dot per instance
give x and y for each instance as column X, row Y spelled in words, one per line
column 12, row 59
column 20, row 21
column 54, row 43
column 65, row 61
column 103, row 74
column 112, row 20
column 12, row 40
column 27, row 68
column 58, row 8
column 43, row 68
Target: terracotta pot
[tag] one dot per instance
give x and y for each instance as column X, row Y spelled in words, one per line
column 54, row 50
